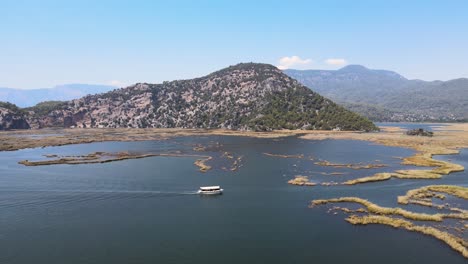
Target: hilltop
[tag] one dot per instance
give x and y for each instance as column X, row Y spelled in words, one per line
column 246, row 96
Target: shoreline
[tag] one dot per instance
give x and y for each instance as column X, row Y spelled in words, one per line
column 20, row 139
column 447, row 141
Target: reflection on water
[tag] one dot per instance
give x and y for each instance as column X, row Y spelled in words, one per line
column 145, row 210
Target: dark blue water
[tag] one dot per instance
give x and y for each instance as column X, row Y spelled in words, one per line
column 144, row 210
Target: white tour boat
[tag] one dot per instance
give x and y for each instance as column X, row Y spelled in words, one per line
column 210, row 190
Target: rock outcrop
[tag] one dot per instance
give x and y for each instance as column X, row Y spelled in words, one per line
column 10, row 119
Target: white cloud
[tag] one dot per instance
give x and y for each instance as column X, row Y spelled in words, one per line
column 293, row 61
column 336, row 62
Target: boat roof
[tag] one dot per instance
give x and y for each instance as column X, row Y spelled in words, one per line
column 210, row 187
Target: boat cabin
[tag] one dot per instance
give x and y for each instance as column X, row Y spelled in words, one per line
column 210, row 190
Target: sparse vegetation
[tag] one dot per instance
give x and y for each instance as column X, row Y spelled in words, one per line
column 358, row 166
column 10, row 106
column 301, row 181
column 96, row 157
column 422, row 195
column 299, row 156
column 454, row 242
column 375, row 214
column 104, row 157
column 46, row 107
column 201, row 163
column 373, row 208
column 376, row 177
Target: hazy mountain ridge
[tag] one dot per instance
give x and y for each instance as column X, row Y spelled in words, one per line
column 392, row 96
column 246, row 96
column 66, row 92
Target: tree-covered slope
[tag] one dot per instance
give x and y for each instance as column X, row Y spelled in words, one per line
column 387, row 96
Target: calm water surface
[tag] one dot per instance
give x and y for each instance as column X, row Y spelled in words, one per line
column 145, row 210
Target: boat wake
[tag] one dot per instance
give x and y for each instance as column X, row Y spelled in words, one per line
column 25, row 198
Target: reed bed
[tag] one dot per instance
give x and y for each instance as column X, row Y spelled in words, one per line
column 301, row 181
column 358, row 166
column 376, row 209
column 456, row 243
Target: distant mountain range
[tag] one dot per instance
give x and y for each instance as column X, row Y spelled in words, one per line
column 247, row 96
column 31, row 97
column 387, row 96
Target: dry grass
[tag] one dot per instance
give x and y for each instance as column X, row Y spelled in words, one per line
column 300, row 156
column 301, row 181
column 236, row 164
column 423, row 195
column 400, row 174
column 453, row 136
column 383, row 215
column 201, row 163
column 350, row 165
column 333, row 173
column 376, row 177
column 96, row 157
column 421, row 159
column 456, row 243
column 391, row 216
column 373, row 208
column 20, row 139
column 105, row 157
column 425, row 159
column 448, row 141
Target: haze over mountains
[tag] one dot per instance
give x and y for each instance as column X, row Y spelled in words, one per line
column 245, row 96
column 31, row 97
column 248, row 96
column 387, row 96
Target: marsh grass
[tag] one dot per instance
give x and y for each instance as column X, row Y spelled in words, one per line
column 456, row 243
column 299, row 156
column 424, row 195
column 105, row 157
column 301, row 181
column 383, row 215
column 374, row 208
column 358, row 166
column 376, row 177
column 96, row 157
column 201, row 163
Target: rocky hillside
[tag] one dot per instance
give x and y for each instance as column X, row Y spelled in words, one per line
column 387, row 96
column 11, row 117
column 242, row 97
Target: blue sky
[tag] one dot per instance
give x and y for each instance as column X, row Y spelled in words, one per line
column 44, row 43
